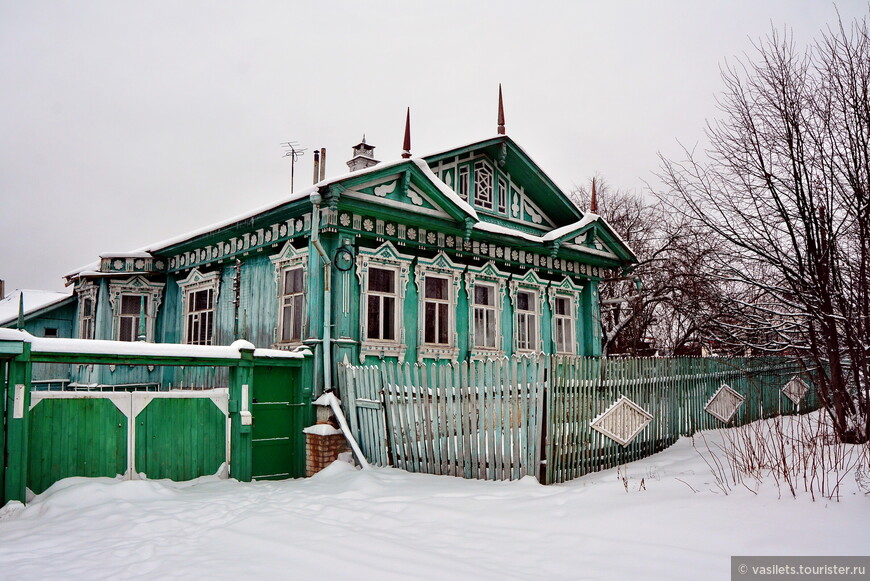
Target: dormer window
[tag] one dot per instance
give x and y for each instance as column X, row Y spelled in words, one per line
column 483, row 185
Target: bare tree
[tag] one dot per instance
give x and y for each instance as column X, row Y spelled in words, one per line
column 668, row 304
column 784, row 189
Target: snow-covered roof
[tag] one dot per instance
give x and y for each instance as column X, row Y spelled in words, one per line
column 418, row 161
column 34, row 300
column 138, row 348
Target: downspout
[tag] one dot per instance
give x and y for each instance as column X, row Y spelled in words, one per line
column 327, row 302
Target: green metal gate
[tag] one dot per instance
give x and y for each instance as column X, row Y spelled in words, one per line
column 278, row 444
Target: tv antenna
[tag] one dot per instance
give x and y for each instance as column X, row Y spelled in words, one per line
column 294, row 152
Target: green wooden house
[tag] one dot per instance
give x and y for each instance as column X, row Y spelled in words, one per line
column 467, row 253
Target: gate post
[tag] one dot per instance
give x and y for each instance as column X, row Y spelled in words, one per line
column 241, row 382
column 17, row 411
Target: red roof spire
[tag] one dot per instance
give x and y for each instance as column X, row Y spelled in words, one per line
column 406, row 145
column 593, row 202
column 500, row 112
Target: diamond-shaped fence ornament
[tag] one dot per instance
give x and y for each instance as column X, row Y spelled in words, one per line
column 622, row 421
column 724, row 403
column 795, row 389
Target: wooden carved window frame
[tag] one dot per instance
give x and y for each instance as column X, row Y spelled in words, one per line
column 195, row 282
column 138, row 286
column 573, row 292
column 384, row 257
column 529, row 282
column 289, row 259
column 491, row 275
column 87, row 291
column 441, row 267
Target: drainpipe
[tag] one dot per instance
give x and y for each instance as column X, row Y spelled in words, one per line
column 327, row 302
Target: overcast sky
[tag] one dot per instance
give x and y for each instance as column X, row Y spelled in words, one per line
column 126, row 123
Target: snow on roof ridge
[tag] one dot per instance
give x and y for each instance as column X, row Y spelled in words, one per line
column 444, row 188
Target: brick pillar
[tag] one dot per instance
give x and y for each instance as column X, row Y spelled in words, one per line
column 323, row 444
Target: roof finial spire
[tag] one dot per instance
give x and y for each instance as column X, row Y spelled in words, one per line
column 406, row 145
column 593, row 202
column 500, row 112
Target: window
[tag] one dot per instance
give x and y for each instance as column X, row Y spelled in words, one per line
column 502, row 196
column 383, row 275
column 436, row 311
column 381, row 304
column 291, row 274
column 292, row 305
column 130, row 319
column 564, row 325
column 50, row 332
column 200, row 317
column 482, row 185
column 438, row 282
column 86, row 318
column 462, row 183
column 200, row 294
column 527, row 320
column 134, row 304
column 485, row 316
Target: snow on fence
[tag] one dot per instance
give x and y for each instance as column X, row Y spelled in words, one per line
column 555, row 418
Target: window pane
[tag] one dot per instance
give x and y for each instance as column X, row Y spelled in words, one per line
column 130, row 304
column 297, row 318
column 389, row 316
column 87, row 307
column 381, row 280
column 523, row 301
column 429, row 319
column 436, row 288
column 443, row 325
column 484, row 295
column 287, row 323
column 562, row 305
column 201, row 300
column 374, row 318
column 479, row 328
column 125, row 331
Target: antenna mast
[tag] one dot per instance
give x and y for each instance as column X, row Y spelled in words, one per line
column 294, row 152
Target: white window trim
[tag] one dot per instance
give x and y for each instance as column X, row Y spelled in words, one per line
column 136, row 286
column 288, row 259
column 567, row 288
column 489, row 274
column 442, row 267
column 85, row 291
column 385, row 257
column 532, row 283
column 197, row 281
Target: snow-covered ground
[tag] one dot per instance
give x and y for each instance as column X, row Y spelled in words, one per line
column 347, row 523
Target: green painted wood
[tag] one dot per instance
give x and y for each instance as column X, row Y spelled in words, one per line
column 75, row 437
column 180, row 438
column 19, row 373
column 3, row 391
column 278, row 443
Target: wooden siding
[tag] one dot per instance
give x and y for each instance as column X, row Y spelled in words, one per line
column 75, row 437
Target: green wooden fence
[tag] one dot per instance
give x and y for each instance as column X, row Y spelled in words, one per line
column 116, row 431
column 507, row 418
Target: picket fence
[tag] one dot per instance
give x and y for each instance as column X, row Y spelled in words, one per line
column 507, row 418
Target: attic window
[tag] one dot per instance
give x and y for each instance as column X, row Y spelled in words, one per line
column 483, row 185
column 50, row 332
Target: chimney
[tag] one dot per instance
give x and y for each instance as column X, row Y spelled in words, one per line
column 2, row 289
column 363, row 156
column 322, row 163
column 316, row 166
